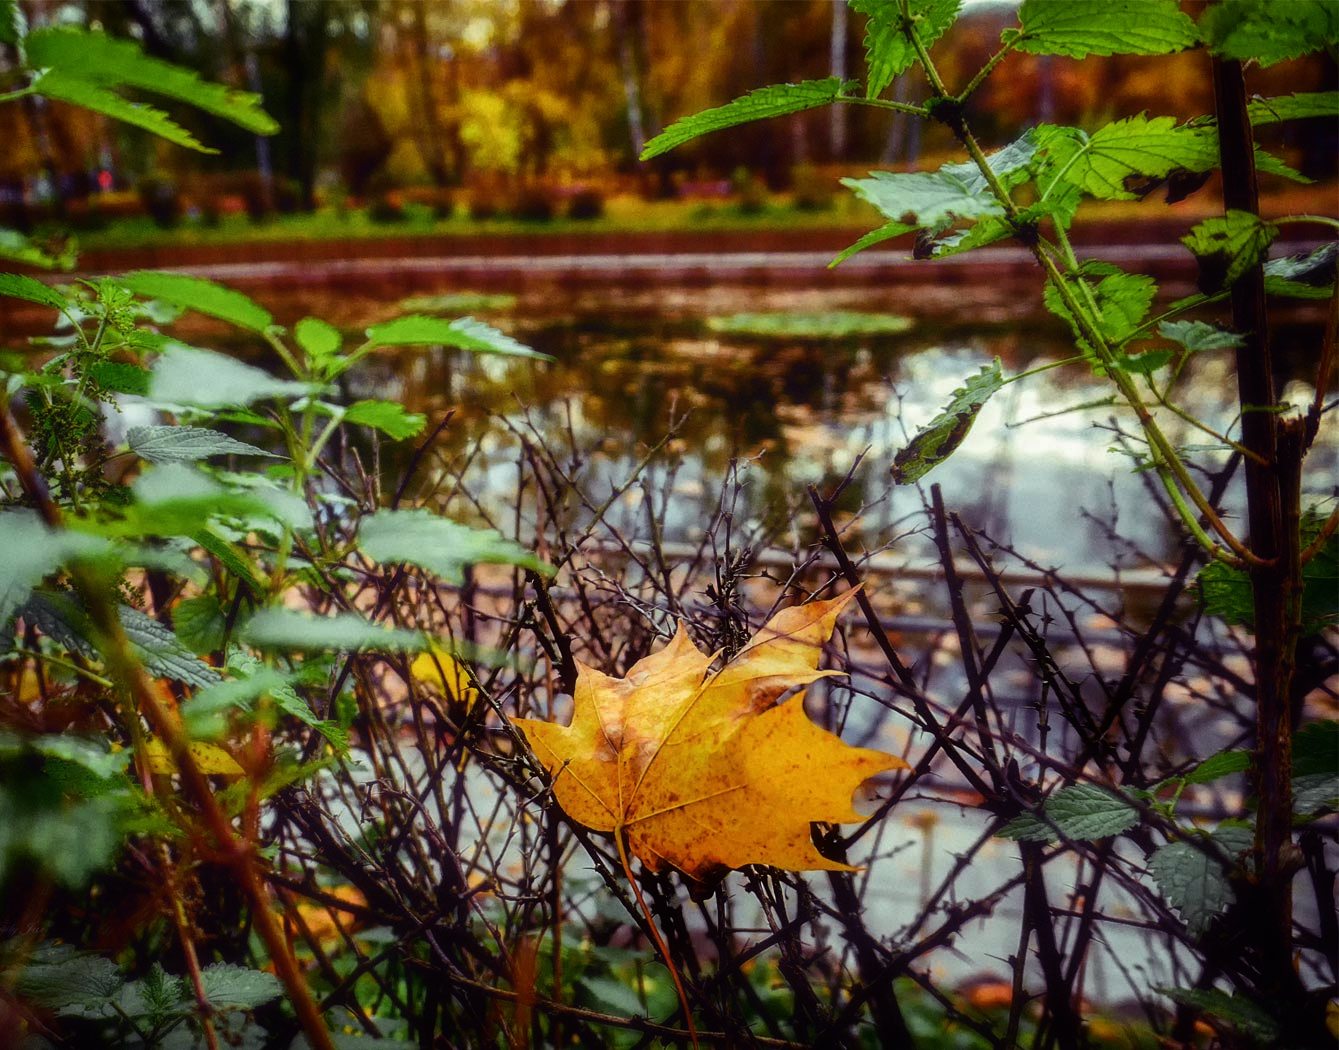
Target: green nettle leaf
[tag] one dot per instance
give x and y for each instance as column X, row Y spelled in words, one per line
column 320, row 340
column 886, row 232
column 1299, row 106
column 441, row 546
column 1227, row 246
column 117, row 62
column 1247, row 1017
column 120, row 377
column 1194, row 882
column 1080, row 811
column 1123, row 301
column 17, row 286
column 888, row 51
column 832, row 324
column 162, row 652
column 200, row 295
column 1109, row 163
column 347, row 632
column 1197, row 336
column 185, row 375
column 163, row 444
column 62, row 86
column 938, row 440
column 1309, row 276
column 927, row 198
column 774, row 101
column 390, row 417
column 1266, row 31
column 203, row 710
column 62, row 979
column 200, row 623
column 464, row 334
column 1076, row 28
column 1226, row 592
column 229, row 987
column 1215, row 767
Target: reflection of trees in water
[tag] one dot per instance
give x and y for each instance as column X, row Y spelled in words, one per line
column 802, row 412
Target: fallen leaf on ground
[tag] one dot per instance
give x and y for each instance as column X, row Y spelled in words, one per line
column 705, row 772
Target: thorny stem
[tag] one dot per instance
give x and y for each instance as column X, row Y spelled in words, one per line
column 661, row 946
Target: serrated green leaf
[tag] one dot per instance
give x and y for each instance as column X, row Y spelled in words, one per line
column 464, row 334
column 346, row 632
column 166, row 444
column 202, row 296
column 390, row 417
column 1225, row 591
column 17, row 286
column 938, row 440
column 1227, row 246
column 441, row 546
column 1123, row 301
column 199, row 623
column 1196, row 336
column 185, row 375
column 60, row 978
column 258, row 680
column 64, row 86
column 229, row 987
column 1301, row 105
column 774, row 101
column 1195, row 883
column 888, row 51
column 1076, row 28
column 162, row 653
column 318, row 339
column 1080, row 811
column 1308, row 276
column 119, row 377
column 1107, row 163
column 1237, row 1010
column 157, row 998
column 927, row 198
column 1215, row 767
column 1267, row 32
column 886, row 232
column 113, row 62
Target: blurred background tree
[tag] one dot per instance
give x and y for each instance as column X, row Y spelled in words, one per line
column 499, row 96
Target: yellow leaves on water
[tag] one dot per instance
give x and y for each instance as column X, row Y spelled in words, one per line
column 704, row 772
column 210, row 759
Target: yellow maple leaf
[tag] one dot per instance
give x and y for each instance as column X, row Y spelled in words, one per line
column 705, row 772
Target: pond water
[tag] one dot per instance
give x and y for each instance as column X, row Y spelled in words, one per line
column 633, row 365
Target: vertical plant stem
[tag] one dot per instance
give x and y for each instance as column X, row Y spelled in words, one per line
column 1273, row 495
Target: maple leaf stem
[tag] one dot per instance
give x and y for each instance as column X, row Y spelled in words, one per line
column 661, row 946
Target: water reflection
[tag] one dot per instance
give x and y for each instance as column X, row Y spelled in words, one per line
column 629, row 369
